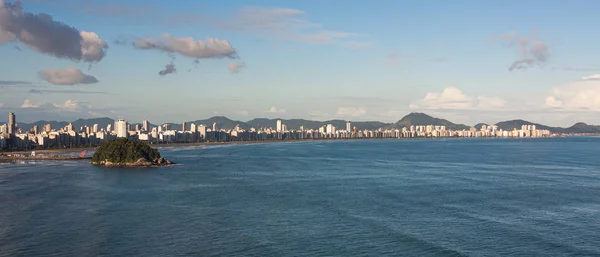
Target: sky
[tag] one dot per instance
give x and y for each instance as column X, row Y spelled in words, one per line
column 173, row 61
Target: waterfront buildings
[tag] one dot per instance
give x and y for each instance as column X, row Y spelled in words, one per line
column 69, row 136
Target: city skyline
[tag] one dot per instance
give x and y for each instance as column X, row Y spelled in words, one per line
column 14, row 138
column 463, row 61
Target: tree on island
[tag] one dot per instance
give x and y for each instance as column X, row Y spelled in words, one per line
column 127, row 152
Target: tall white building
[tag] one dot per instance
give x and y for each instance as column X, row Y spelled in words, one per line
column 193, row 128
column 95, row 128
column 183, row 126
column 145, row 125
column 202, row 131
column 348, row 126
column 121, row 128
column 279, row 126
column 330, row 129
column 214, row 127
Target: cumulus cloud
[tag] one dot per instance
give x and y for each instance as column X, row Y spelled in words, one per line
column 70, row 105
column 30, row 104
column 169, row 68
column 454, row 99
column 209, row 48
column 532, row 52
column 43, row 34
column 235, row 67
column 575, row 96
column 66, row 76
column 275, row 110
column 350, row 111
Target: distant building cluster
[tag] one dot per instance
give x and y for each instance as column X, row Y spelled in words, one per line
column 12, row 137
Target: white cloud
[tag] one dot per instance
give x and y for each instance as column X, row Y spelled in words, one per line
column 235, row 67
column 69, row 105
column 243, row 113
column 575, row 96
column 454, row 99
column 66, row 76
column 592, row 77
column 30, row 104
column 209, row 48
column 351, row 112
column 92, row 47
column 275, row 110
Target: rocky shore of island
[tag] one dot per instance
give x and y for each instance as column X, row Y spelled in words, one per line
column 142, row 162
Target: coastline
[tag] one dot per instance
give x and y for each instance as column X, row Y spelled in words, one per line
column 191, row 144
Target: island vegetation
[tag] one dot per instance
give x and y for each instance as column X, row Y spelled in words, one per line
column 127, row 152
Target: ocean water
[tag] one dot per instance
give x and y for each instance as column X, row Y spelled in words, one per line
column 454, row 197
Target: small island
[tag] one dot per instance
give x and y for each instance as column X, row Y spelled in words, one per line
column 125, row 152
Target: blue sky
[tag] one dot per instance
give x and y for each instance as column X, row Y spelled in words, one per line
column 355, row 60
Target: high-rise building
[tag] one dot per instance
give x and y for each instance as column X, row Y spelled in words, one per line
column 348, row 126
column 145, row 125
column 35, row 129
column 69, row 127
column 95, row 128
column 330, row 129
column 183, row 126
column 137, row 127
column 193, row 128
column 12, row 124
column 214, row 126
column 121, row 128
column 279, row 127
column 109, row 128
column 202, row 131
column 48, row 128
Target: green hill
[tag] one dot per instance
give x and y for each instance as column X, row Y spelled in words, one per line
column 421, row 119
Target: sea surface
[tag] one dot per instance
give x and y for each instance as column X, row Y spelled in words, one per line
column 447, row 197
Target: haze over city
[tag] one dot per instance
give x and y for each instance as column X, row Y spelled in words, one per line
column 463, row 61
